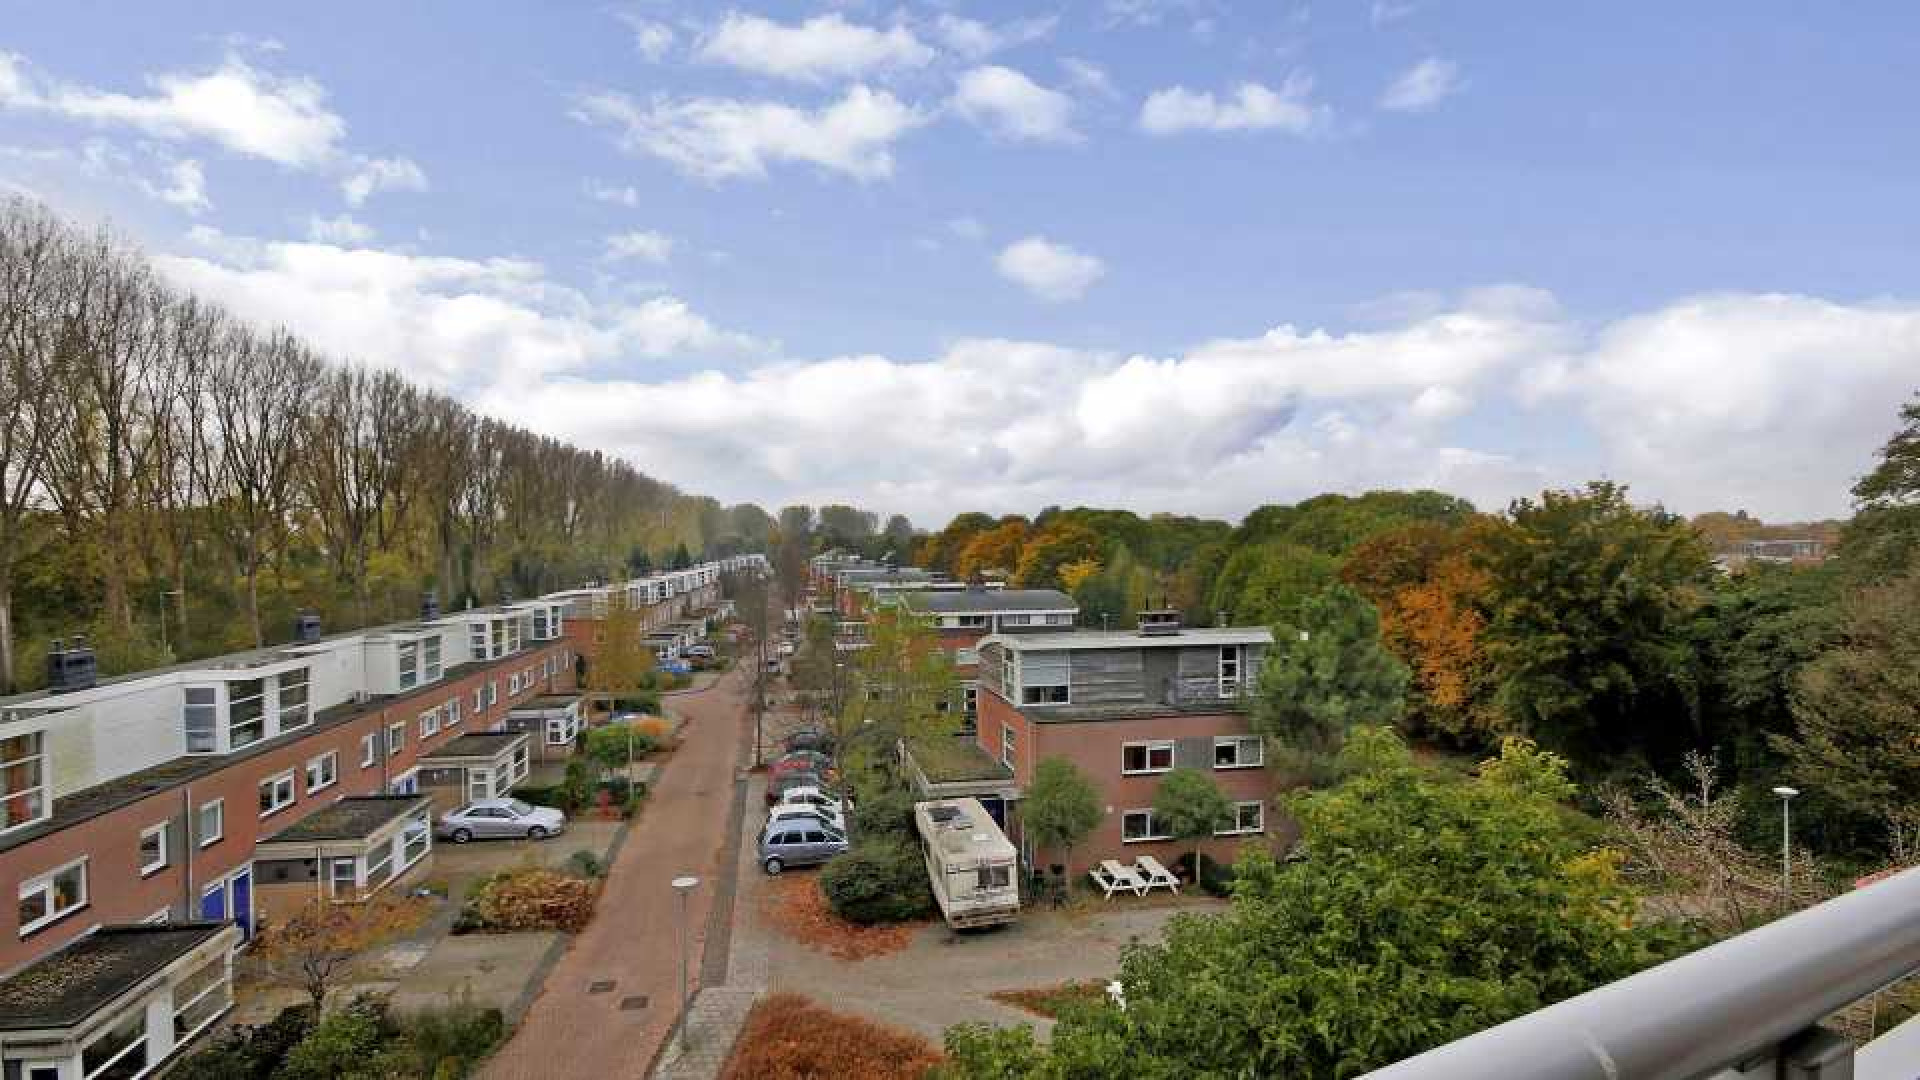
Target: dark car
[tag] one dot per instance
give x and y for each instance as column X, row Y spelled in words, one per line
column 808, row 739
column 779, row 785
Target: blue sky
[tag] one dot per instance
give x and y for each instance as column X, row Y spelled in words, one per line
column 944, row 256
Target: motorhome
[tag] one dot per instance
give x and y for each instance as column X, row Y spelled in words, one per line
column 970, row 863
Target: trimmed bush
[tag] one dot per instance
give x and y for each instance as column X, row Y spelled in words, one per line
column 887, row 814
column 882, row 880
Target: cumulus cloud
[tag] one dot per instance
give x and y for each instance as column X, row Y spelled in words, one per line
column 185, row 187
column 1422, row 86
column 722, row 139
column 370, row 175
column 821, row 48
column 1252, row 107
column 1089, row 76
column 973, row 39
column 1011, row 105
column 342, row 230
column 1050, row 271
column 642, row 244
column 282, row 119
column 651, row 39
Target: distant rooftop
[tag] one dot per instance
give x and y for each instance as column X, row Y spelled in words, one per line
column 953, row 759
column 66, row 987
column 355, row 817
column 984, row 600
column 479, row 744
column 1133, row 639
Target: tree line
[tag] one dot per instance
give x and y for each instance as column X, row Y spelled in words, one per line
column 175, row 482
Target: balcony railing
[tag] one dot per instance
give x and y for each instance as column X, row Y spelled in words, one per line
column 1196, row 691
column 1747, row 1007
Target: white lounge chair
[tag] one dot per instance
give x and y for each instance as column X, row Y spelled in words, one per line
column 1120, row 877
column 1156, row 875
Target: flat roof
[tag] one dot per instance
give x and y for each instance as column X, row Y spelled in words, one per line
column 479, row 744
column 64, row 988
column 1133, row 639
column 984, row 600
column 547, row 701
column 355, row 817
column 953, row 759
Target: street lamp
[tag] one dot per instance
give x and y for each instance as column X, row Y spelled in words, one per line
column 684, row 885
column 1786, row 795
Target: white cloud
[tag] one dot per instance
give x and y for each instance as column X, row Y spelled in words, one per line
column 1089, row 76
column 282, row 119
column 1386, row 11
column 1050, row 271
column 651, row 39
column 370, row 175
column 1422, row 86
column 642, row 244
column 342, row 230
column 185, row 187
column 1009, row 104
column 627, row 196
column 721, row 138
column 1253, row 107
column 821, row 48
column 972, row 39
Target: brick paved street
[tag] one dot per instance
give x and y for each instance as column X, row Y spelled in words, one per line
column 613, row 997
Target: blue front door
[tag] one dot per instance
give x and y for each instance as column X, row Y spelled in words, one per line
column 243, row 903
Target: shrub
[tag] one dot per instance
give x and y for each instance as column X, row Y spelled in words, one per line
column 249, row 1053
column 534, row 899
column 887, row 814
column 1216, row 878
column 346, row 1044
column 445, row 1043
column 657, row 728
column 881, row 880
column 586, row 864
column 788, row 1037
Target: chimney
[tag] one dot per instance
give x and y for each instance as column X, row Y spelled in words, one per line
column 1164, row 622
column 306, row 626
column 429, row 606
column 71, row 666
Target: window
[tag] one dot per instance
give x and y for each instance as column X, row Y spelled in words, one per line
column 369, row 749
column 1016, row 620
column 407, row 783
column 1145, row 757
column 408, row 655
column 493, row 691
column 1058, row 619
column 201, row 717
column 276, row 794
column 479, row 700
column 294, row 712
column 246, row 720
column 396, row 738
column 414, row 839
column 513, row 635
column 119, row 1051
column 477, row 641
column 429, row 723
column 557, row 734
column 153, row 850
column 430, row 654
column 23, row 780
column 995, row 877
column 379, row 865
column 1006, row 746
column 453, row 711
column 1248, row 817
column 499, row 640
column 52, row 896
column 513, row 683
column 522, row 761
column 201, row 996
column 1229, row 671
column 1238, row 751
column 323, row 772
column 1137, row 826
column 966, row 656
column 344, row 876
column 211, row 822
column 1044, row 677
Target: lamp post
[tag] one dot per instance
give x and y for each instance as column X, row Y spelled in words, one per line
column 684, row 885
column 1786, row 795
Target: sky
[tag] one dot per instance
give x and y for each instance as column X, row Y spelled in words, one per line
column 927, row 257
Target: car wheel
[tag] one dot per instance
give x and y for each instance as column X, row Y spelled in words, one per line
column 535, row 832
column 461, row 836
column 774, row 865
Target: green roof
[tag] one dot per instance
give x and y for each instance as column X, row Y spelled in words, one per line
column 952, row 759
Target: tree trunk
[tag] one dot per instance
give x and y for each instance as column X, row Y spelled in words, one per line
column 253, row 605
column 6, row 633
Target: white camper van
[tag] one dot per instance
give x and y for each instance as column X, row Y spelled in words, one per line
column 969, row 861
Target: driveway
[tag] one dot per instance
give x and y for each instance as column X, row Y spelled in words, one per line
column 614, row 995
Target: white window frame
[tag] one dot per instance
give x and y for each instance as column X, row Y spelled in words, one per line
column 479, row 700
column 223, row 985
column 493, row 692
column 1240, row 742
column 406, row 664
column 513, row 684
column 1152, row 746
column 431, row 666
column 331, row 762
column 144, row 1043
column 1231, row 666
column 369, row 749
column 295, row 715
column 429, row 724
column 44, row 882
column 219, row 808
column 1008, row 744
column 148, row 869
column 396, row 738
column 37, row 759
column 279, row 804
column 1259, row 809
column 452, row 708
column 1152, row 821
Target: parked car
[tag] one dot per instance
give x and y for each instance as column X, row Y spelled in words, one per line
column 779, row 784
column 698, row 652
column 831, row 815
column 500, row 817
column 811, row 796
column 802, row 761
column 808, row 739
column 798, row 842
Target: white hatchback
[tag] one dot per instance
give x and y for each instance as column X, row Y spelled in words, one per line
column 788, row 811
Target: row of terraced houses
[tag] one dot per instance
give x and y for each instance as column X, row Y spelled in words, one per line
column 151, row 822
column 1126, row 706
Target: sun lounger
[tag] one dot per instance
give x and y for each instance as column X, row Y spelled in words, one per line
column 1156, row 875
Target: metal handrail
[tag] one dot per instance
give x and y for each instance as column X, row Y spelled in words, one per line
column 1705, row 1011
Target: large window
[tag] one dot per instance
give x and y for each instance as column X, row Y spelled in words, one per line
column 513, row 635
column 323, row 772
column 294, row 711
column 1044, row 678
column 1248, row 817
column 408, row 655
column 1229, row 671
column 1138, row 758
column 499, row 639
column 204, row 994
column 1238, row 751
column 202, row 719
column 52, row 896
column 1137, row 826
column 120, row 1051
column 276, row 794
column 477, row 641
column 430, row 653
column 210, row 823
column 429, row 724
column 23, row 780
column 153, row 850
column 415, row 839
column 246, row 712
column 379, row 865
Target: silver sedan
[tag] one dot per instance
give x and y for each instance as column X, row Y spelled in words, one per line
column 500, row 817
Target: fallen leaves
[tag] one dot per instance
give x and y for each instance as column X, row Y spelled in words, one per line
column 795, row 906
column 788, row 1037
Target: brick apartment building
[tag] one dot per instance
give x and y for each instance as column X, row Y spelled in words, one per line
column 149, row 821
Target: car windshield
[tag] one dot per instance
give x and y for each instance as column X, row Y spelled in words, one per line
column 519, row 808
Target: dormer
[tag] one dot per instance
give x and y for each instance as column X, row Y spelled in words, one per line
column 227, row 710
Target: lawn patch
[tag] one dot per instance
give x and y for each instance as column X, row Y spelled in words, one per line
column 1048, row 1001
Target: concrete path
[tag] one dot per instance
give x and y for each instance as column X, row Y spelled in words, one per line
column 611, row 1000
